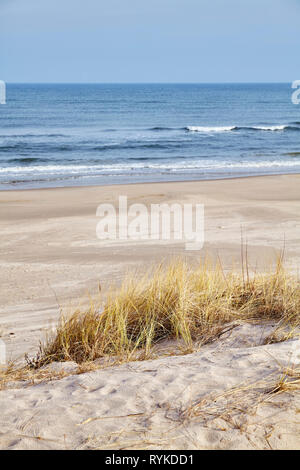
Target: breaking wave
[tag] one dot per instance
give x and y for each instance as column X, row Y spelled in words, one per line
column 207, row 129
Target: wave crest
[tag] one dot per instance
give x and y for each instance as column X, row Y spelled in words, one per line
column 210, row 129
column 207, row 129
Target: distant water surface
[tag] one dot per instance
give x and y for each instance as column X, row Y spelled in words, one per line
column 67, row 135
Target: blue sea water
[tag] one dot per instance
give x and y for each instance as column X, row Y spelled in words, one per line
column 67, row 134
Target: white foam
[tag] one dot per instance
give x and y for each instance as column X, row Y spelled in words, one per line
column 194, row 165
column 207, row 129
column 271, row 128
column 210, row 129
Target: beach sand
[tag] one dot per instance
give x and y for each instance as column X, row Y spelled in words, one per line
column 51, row 260
column 221, row 397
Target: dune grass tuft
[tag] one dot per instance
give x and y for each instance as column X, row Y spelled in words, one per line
column 177, row 302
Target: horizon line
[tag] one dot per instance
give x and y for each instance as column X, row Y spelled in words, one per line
column 148, row 83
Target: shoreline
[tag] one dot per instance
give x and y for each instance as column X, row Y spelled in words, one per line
column 271, row 175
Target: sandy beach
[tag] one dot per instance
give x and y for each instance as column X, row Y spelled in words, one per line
column 51, row 257
column 51, row 260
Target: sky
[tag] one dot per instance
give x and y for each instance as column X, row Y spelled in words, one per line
column 196, row 41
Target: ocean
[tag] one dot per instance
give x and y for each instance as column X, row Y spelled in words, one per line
column 75, row 134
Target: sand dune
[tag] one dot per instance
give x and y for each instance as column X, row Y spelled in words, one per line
column 150, row 404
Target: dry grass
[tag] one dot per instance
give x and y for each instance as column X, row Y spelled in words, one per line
column 177, row 302
column 26, row 375
column 243, row 400
column 289, row 381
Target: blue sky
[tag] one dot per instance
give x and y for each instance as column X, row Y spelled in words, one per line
column 150, row 41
